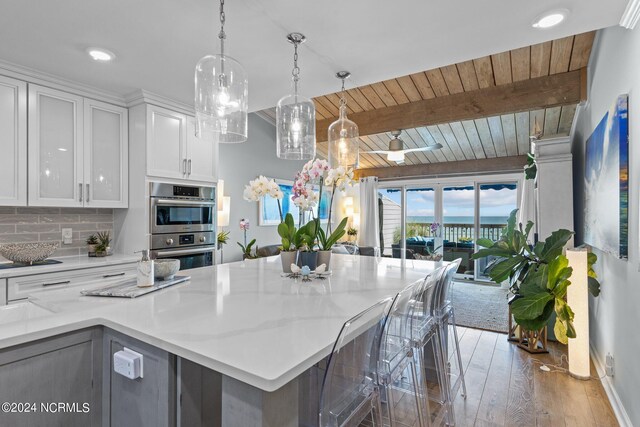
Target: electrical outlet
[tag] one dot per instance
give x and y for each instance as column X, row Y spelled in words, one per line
column 67, row 236
column 609, row 365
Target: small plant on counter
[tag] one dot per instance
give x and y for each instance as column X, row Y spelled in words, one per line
column 223, row 238
column 104, row 240
column 326, row 242
column 92, row 242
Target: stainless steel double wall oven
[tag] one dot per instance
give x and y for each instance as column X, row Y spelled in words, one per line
column 183, row 223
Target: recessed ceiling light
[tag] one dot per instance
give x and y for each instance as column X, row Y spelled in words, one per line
column 101, row 55
column 550, row 19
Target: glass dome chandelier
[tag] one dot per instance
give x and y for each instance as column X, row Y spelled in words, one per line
column 296, row 117
column 221, row 95
column 343, row 135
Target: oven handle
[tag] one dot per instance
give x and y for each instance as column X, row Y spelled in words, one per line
column 184, row 251
column 184, row 202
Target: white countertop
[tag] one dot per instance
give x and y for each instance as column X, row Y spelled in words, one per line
column 69, row 263
column 241, row 319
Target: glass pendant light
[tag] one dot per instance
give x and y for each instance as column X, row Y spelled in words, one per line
column 221, row 95
column 296, row 117
column 344, row 149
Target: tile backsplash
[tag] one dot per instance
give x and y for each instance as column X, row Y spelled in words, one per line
column 33, row 224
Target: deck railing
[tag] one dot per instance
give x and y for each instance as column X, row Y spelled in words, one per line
column 456, row 232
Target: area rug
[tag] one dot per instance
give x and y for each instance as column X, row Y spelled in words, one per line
column 480, row 306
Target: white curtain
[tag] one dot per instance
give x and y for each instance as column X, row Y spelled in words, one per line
column 369, row 233
column 527, row 211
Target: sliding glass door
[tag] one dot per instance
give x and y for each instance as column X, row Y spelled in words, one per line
column 448, row 216
column 495, row 201
column 458, row 226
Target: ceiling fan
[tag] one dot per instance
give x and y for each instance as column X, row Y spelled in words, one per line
column 396, row 150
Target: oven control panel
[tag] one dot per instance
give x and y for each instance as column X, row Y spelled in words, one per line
column 186, row 239
column 177, row 240
column 183, row 191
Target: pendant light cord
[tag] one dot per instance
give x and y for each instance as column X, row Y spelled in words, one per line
column 221, row 34
column 343, row 98
column 296, row 70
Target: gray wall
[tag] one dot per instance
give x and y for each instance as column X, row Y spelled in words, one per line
column 34, row 224
column 614, row 70
column 240, row 163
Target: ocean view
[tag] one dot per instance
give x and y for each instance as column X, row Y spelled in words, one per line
column 459, row 219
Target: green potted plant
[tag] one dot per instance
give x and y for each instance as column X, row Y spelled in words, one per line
column 326, row 242
column 352, row 233
column 538, row 276
column 92, row 241
column 222, row 238
column 306, row 237
column 247, row 251
column 289, row 237
column 104, row 239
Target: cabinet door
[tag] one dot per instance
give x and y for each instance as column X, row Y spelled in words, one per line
column 63, row 369
column 55, row 148
column 166, row 143
column 13, row 142
column 202, row 162
column 106, row 149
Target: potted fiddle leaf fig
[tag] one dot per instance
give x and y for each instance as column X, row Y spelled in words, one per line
column 326, row 242
column 538, row 276
column 289, row 252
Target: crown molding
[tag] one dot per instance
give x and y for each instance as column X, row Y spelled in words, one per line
column 31, row 75
column 631, row 15
column 145, row 97
column 266, row 118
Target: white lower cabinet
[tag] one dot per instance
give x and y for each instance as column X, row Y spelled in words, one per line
column 19, row 288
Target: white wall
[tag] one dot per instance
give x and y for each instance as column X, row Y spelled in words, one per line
column 240, row 163
column 614, row 70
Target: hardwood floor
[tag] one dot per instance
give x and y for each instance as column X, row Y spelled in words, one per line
column 505, row 387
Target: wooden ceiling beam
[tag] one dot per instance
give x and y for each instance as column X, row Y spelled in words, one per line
column 537, row 93
column 462, row 167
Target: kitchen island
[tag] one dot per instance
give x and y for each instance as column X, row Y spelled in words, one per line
column 259, row 331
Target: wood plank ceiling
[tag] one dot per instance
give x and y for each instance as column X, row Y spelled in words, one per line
column 488, row 137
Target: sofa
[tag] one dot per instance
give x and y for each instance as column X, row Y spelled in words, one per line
column 451, row 251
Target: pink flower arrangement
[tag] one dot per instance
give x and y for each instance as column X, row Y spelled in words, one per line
column 313, row 171
column 244, row 224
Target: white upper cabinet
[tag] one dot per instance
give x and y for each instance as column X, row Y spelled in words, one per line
column 166, row 143
column 201, row 156
column 13, row 142
column 78, row 151
column 55, row 148
column 173, row 151
column 106, row 152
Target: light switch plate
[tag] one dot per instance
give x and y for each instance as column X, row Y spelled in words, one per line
column 67, row 236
